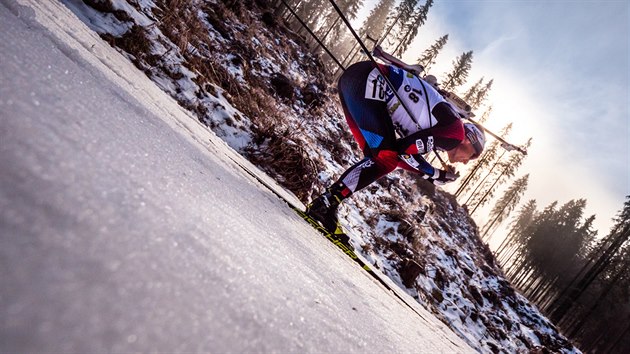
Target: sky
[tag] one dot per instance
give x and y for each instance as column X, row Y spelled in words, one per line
column 561, row 73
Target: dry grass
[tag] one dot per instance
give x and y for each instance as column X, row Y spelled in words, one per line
column 135, row 41
column 283, row 155
column 178, row 20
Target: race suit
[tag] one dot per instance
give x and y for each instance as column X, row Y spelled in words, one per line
column 376, row 117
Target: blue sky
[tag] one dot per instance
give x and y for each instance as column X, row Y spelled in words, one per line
column 561, row 73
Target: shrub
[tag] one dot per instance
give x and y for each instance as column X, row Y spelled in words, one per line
column 135, row 42
column 283, row 156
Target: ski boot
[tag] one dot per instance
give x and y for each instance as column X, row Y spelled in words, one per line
column 324, row 210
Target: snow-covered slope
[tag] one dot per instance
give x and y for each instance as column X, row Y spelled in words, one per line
column 126, row 227
column 248, row 78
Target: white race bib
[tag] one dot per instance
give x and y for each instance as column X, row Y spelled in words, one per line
column 375, row 87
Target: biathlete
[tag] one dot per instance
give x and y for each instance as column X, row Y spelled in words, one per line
column 376, row 117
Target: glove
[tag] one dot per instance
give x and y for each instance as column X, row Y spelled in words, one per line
column 415, row 69
column 441, row 177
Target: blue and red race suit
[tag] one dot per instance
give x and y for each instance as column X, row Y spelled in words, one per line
column 375, row 117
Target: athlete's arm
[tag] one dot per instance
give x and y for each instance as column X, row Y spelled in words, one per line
column 411, row 148
column 416, row 163
column 445, row 137
column 444, row 114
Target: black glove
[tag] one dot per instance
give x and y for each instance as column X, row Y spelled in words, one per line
column 441, row 177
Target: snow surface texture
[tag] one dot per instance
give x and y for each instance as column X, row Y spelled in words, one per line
column 126, row 227
column 457, row 282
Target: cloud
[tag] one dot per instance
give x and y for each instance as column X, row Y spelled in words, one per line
column 493, row 46
column 561, row 75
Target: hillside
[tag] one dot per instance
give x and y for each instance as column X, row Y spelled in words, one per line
column 249, row 78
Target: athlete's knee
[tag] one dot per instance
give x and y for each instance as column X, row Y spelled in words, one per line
column 387, row 160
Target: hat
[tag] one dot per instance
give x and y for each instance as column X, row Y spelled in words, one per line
column 476, row 136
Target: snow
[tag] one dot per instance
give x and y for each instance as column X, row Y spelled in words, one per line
column 125, row 225
column 452, row 263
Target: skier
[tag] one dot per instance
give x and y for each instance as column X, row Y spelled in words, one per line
column 375, row 116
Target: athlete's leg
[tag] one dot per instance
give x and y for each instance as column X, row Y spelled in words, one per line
column 371, row 126
column 373, row 130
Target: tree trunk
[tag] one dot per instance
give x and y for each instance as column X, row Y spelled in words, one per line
column 619, row 338
column 483, row 237
column 574, row 293
column 488, row 192
column 323, row 39
column 590, row 311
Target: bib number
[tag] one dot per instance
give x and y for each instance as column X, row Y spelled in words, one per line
column 375, row 88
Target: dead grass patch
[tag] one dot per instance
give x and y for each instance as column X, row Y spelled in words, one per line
column 135, row 41
column 282, row 155
column 179, row 22
column 107, row 6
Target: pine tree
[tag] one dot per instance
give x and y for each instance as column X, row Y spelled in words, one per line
column 602, row 257
column 481, row 95
column 373, row 27
column 410, row 29
column 472, row 91
column 505, row 170
column 515, row 241
column 485, row 115
column 623, row 217
column 281, row 9
column 428, row 56
column 310, row 11
column 457, row 76
column 374, row 24
column 331, row 25
column 601, row 309
column 555, row 240
column 332, row 29
column 397, row 20
column 340, row 47
column 506, row 203
column 483, row 162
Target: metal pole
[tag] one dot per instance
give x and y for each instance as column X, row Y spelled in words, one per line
column 312, row 34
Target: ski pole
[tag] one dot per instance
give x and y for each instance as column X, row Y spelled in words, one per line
column 447, row 167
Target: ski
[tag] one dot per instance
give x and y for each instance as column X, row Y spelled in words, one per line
column 334, row 238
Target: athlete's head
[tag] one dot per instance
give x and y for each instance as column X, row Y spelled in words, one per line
column 476, row 136
column 471, row 147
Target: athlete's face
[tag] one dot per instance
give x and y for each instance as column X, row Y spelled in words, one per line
column 462, row 153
